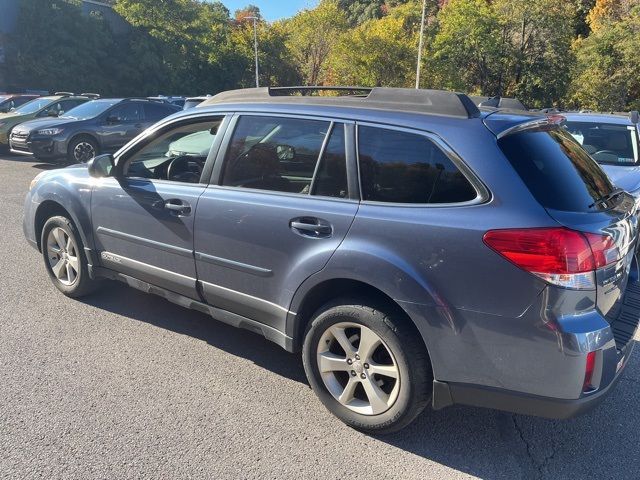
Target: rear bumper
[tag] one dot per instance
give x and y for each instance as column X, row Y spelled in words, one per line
column 448, row 394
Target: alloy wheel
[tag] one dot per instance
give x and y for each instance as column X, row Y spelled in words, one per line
column 83, row 152
column 62, row 253
column 358, row 368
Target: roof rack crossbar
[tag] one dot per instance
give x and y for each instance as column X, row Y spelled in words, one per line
column 64, row 93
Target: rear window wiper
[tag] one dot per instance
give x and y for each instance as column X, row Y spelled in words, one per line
column 609, row 196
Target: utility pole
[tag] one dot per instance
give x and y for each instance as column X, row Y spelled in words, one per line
column 424, row 11
column 255, row 44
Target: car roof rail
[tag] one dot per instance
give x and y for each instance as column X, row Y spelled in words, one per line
column 634, row 116
column 91, row 95
column 66, row 94
column 438, row 102
column 145, row 99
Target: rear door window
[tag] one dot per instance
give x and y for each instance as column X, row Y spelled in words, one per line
column 556, row 169
column 129, row 112
column 403, row 167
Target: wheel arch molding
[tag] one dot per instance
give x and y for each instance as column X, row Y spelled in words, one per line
column 54, row 199
column 379, row 280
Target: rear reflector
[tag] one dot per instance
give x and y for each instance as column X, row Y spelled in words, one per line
column 557, row 255
column 588, row 372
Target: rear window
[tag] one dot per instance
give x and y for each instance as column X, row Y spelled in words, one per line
column 608, row 143
column 557, row 170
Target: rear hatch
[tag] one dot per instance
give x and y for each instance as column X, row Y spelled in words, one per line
column 577, row 194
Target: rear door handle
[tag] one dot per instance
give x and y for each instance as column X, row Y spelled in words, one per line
column 311, row 227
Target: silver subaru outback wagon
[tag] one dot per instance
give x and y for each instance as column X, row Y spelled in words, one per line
column 414, row 249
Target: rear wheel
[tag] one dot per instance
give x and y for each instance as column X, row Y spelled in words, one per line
column 82, row 149
column 64, row 257
column 367, row 366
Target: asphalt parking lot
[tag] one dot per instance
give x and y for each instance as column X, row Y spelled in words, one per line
column 126, row 385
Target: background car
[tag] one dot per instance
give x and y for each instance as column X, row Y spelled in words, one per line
column 172, row 99
column 9, row 101
column 42, row 107
column 81, row 133
column 613, row 140
column 194, row 101
column 511, row 103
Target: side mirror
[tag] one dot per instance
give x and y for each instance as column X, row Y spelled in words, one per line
column 113, row 119
column 52, row 113
column 4, row 109
column 285, row 152
column 101, row 166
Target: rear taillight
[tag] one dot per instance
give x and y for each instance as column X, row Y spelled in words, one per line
column 557, row 255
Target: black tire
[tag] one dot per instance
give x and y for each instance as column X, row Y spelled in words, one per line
column 404, row 344
column 84, row 144
column 82, row 284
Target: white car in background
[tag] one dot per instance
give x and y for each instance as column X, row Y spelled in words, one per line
column 613, row 140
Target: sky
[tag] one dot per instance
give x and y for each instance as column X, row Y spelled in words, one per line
column 272, row 9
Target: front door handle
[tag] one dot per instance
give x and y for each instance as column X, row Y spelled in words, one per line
column 178, row 207
column 311, row 227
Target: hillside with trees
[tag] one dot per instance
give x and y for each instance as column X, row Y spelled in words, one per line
column 574, row 53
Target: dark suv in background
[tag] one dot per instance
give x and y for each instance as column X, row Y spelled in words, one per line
column 411, row 246
column 102, row 125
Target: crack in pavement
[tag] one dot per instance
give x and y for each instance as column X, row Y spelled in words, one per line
column 538, row 467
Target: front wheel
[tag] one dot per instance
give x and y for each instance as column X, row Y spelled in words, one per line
column 82, row 149
column 367, row 366
column 64, row 257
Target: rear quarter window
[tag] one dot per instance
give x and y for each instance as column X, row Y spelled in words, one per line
column 403, row 167
column 556, row 169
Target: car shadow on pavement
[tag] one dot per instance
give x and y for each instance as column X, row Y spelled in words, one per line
column 152, row 309
column 484, row 443
column 27, row 159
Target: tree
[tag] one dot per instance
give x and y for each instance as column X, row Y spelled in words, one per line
column 192, row 38
column 508, row 47
column 539, row 36
column 248, row 11
column 312, row 35
column 468, row 52
column 379, row 52
column 276, row 65
column 605, row 76
column 55, row 47
column 606, row 11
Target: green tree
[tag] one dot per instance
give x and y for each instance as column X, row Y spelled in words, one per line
column 56, row 47
column 312, row 35
column 605, row 76
column 192, row 38
column 469, row 49
column 379, row 52
column 508, row 47
column 276, row 65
